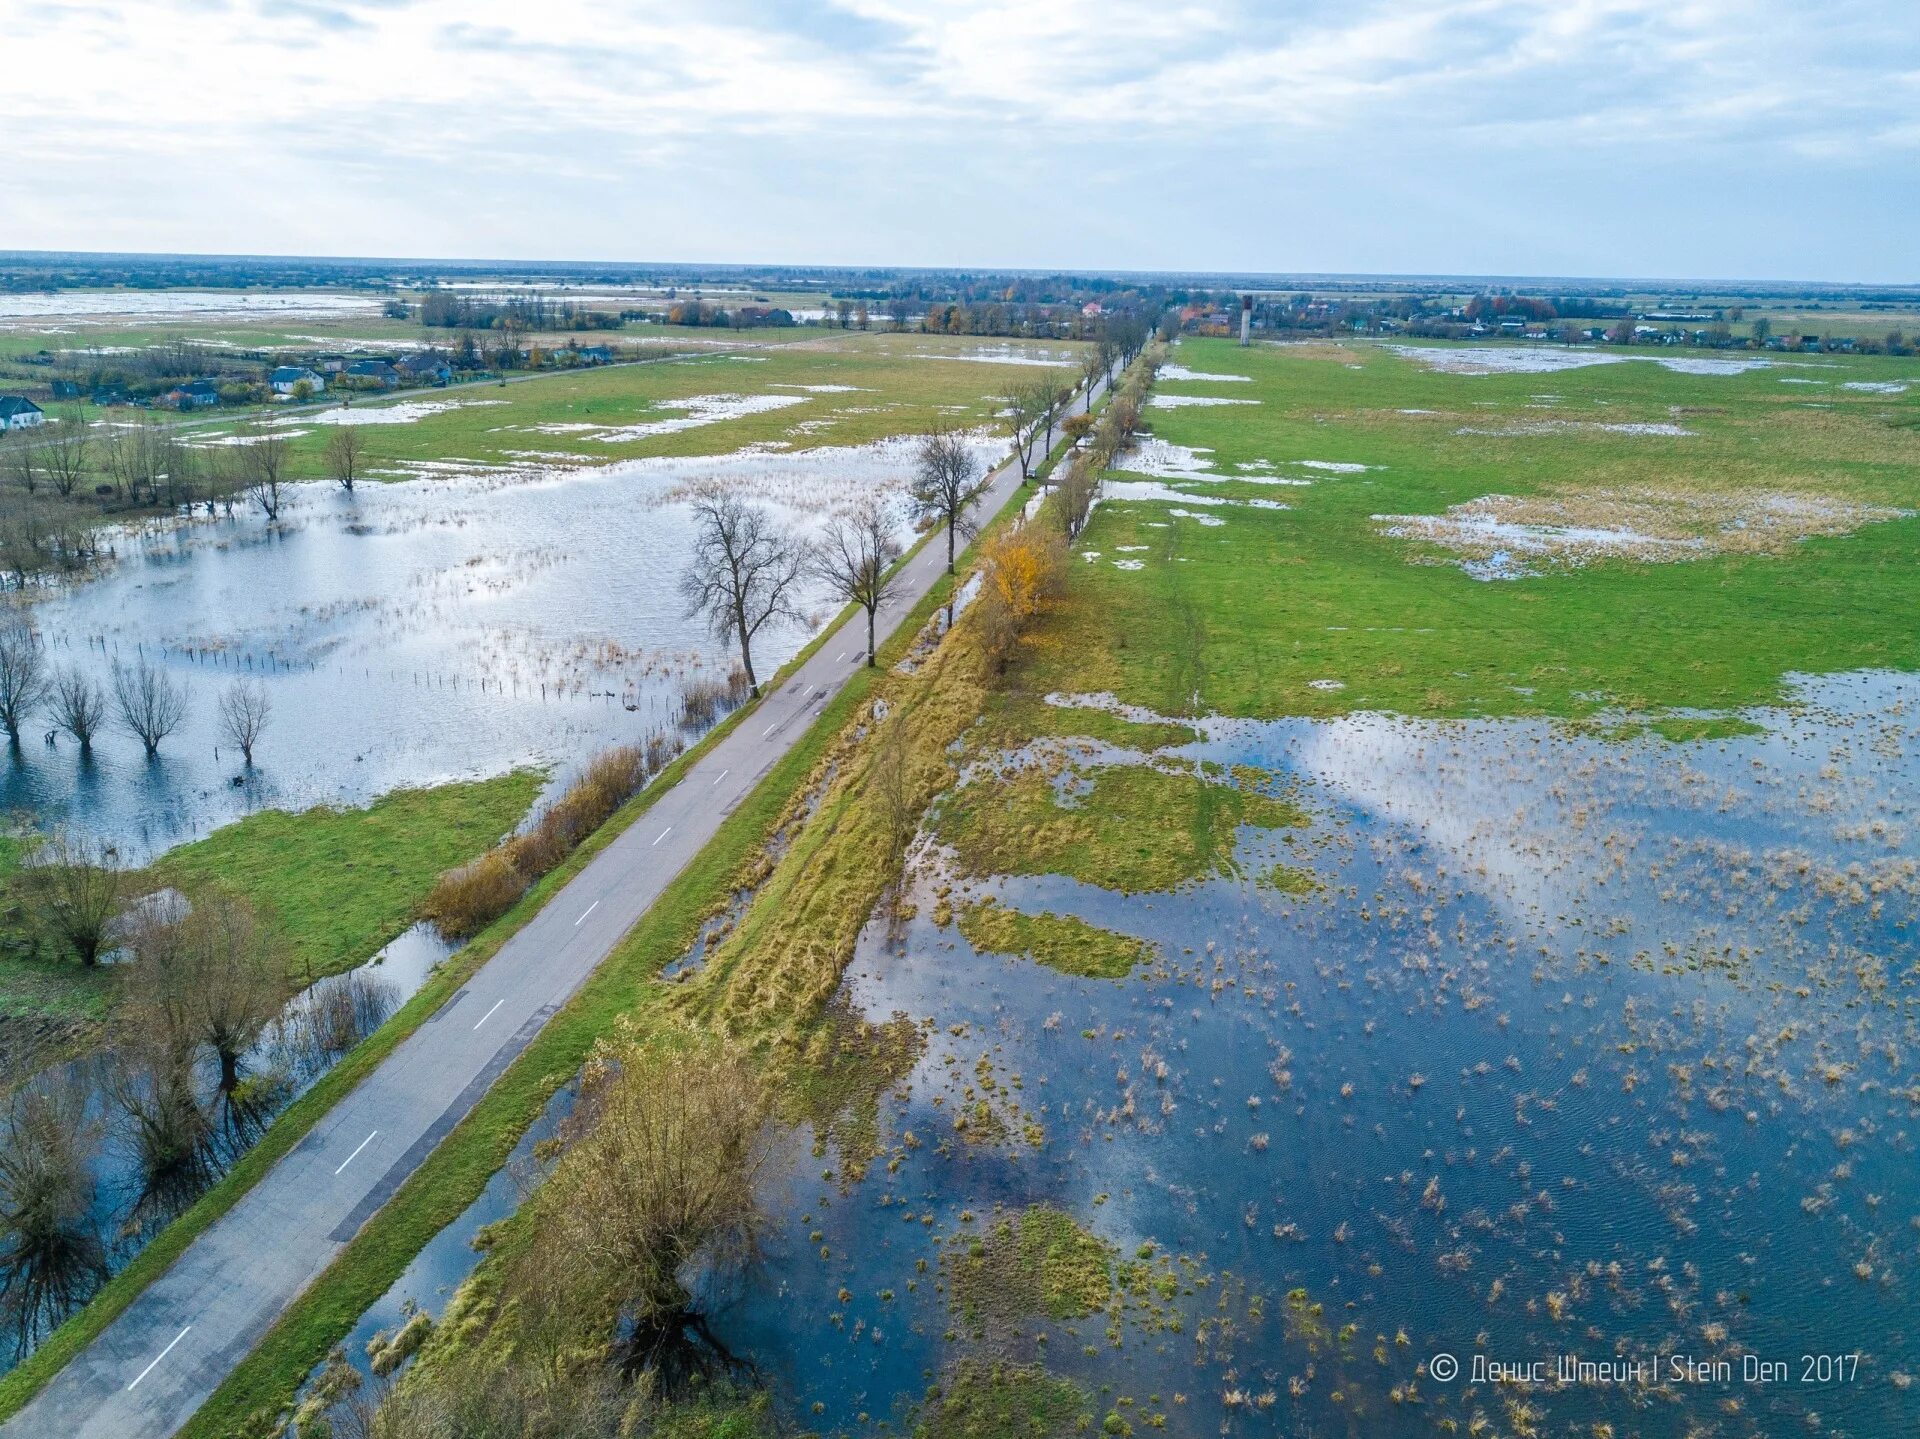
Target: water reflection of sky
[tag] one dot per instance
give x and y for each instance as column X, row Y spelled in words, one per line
column 1546, row 1117
column 408, row 634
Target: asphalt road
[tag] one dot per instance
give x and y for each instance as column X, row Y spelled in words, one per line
column 168, row 1350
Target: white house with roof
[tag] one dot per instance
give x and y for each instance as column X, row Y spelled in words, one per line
column 17, row 412
column 284, row 379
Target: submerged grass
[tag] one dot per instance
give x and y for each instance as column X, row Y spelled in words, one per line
column 1040, row 1263
column 1130, row 827
column 1005, row 1402
column 1060, row 942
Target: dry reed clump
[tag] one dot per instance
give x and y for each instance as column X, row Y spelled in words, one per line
column 704, row 698
column 467, row 899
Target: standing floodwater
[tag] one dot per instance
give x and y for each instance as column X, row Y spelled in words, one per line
column 407, row 634
column 1582, row 1046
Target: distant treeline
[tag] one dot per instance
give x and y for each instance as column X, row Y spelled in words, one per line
column 453, row 310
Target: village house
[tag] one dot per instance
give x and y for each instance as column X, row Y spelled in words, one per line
column 17, row 412
column 284, row 380
column 378, row 372
column 425, row 369
column 194, row 395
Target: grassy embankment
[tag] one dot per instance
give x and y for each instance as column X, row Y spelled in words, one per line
column 623, row 988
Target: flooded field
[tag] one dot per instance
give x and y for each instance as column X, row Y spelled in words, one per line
column 409, row 633
column 1572, row 1046
column 1531, row 1044
column 92, row 308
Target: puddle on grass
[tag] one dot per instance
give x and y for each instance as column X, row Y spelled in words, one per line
column 1599, row 1047
column 409, row 634
column 1181, row 372
column 1542, row 359
column 1005, row 355
column 402, row 412
column 1181, row 402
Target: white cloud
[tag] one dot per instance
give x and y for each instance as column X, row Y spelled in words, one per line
column 636, row 129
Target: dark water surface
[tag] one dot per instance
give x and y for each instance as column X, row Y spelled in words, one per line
column 1588, row 1048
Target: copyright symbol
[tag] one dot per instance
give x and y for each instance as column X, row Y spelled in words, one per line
column 1444, row 1367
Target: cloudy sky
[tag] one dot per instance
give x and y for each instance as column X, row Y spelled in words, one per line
column 1738, row 138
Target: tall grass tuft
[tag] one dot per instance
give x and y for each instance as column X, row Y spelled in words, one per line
column 704, row 699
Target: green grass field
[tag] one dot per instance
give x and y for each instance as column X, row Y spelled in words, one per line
column 1315, row 609
column 845, row 390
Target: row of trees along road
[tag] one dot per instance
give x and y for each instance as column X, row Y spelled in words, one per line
column 747, row 568
column 146, row 701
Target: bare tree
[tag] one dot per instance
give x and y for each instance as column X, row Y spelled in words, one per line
column 946, row 482
column 1092, row 370
column 1060, row 401
column 244, row 710
column 855, row 559
column 226, row 478
column 743, row 571
column 343, row 455
column 213, row 977
column 892, row 778
column 1032, row 407
column 23, row 463
column 51, row 1258
column 78, row 886
column 661, row 1178
column 23, row 677
column 63, row 452
column 77, row 705
column 150, row 701
column 178, row 467
column 266, row 473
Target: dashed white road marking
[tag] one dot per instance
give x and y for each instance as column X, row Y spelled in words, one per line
column 662, row 835
column 585, row 912
column 483, row 1019
column 158, row 1357
column 717, row 778
column 356, row 1153
column 768, row 730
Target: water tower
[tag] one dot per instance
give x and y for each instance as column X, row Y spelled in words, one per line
column 1246, row 321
